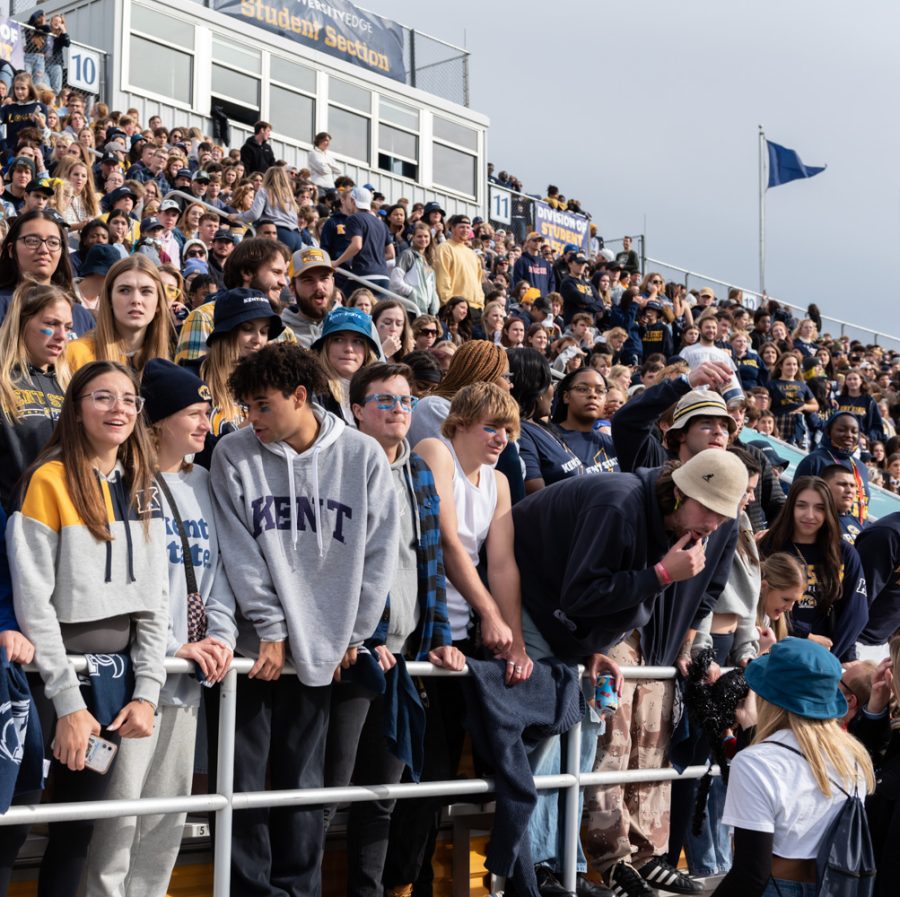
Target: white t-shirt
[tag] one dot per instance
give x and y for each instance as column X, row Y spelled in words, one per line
column 773, row 790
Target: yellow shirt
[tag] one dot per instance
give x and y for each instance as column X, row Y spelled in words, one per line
column 458, row 272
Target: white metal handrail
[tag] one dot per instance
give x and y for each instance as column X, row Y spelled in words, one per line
column 225, row 801
column 760, row 297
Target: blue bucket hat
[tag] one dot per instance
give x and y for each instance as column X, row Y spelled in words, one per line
column 801, row 677
column 347, row 319
column 99, row 259
column 234, row 307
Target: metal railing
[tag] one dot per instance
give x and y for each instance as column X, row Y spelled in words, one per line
column 752, row 299
column 225, row 801
column 100, row 76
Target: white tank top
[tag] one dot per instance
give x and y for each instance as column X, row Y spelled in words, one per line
column 475, row 506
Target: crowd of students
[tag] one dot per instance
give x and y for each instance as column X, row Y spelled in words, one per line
column 217, row 443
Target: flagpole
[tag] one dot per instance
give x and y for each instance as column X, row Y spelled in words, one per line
column 762, row 212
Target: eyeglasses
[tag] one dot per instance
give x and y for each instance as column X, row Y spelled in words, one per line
column 172, row 291
column 34, row 242
column 385, row 401
column 584, row 390
column 104, row 400
column 428, row 331
column 656, row 281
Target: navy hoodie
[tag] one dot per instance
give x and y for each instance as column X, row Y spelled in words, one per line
column 536, row 270
column 865, row 409
column 848, row 615
column 751, row 370
column 684, row 604
column 825, row 455
column 604, row 535
column 878, row 547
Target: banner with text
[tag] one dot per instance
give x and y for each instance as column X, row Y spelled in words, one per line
column 336, row 27
column 12, row 43
column 559, row 228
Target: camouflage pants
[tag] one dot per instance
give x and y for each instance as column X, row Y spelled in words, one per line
column 631, row 822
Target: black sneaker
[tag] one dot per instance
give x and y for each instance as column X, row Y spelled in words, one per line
column 548, row 884
column 624, row 881
column 666, row 877
column 584, row 887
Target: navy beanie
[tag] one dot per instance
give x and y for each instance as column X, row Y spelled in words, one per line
column 167, row 388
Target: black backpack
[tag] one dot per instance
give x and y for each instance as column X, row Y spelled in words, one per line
column 845, row 863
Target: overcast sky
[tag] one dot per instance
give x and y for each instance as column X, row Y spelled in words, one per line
column 650, row 108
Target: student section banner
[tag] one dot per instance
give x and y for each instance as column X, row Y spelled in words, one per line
column 12, row 43
column 335, row 27
column 560, row 228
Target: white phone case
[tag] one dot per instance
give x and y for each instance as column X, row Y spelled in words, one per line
column 100, row 754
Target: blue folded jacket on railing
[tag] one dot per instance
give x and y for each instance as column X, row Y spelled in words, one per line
column 501, row 720
column 21, row 744
column 404, row 715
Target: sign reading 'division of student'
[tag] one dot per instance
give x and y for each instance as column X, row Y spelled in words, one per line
column 12, row 43
column 335, row 27
column 559, row 228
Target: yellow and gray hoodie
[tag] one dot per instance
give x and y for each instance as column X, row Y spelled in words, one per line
column 61, row 574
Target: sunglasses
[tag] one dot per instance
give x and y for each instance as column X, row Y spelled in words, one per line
column 428, row 331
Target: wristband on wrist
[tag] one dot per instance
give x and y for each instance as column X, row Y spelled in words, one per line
column 663, row 574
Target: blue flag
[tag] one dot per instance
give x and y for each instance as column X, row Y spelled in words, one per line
column 785, row 165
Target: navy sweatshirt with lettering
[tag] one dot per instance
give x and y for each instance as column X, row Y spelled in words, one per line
column 309, row 541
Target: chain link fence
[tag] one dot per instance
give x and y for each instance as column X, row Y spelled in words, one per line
column 436, row 67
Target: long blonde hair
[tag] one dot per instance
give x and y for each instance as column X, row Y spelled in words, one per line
column 88, row 194
column 780, row 571
column 217, row 367
column 277, row 185
column 28, row 300
column 828, row 749
column 107, row 342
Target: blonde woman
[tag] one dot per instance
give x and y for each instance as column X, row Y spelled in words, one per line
column 786, row 789
column 33, row 337
column 275, row 200
column 84, row 205
column 413, row 275
column 190, row 220
column 783, row 584
column 243, row 323
column 363, row 299
column 133, row 323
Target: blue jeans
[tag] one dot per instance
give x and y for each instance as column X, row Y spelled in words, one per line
column 34, row 65
column 290, row 237
column 789, row 888
column 709, row 853
column 55, row 77
column 544, row 830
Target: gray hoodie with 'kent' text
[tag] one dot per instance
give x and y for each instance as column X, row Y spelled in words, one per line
column 309, row 541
